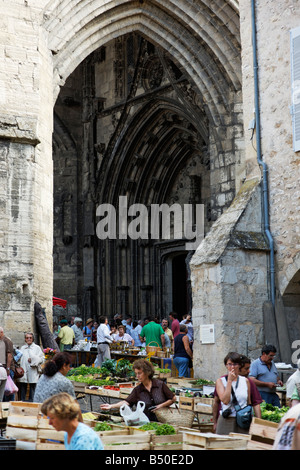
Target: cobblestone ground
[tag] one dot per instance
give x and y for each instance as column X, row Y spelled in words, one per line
column 92, row 403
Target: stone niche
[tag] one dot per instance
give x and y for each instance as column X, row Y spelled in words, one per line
column 229, row 275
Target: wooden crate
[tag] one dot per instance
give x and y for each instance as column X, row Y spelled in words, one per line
column 104, row 392
column 79, row 387
column 125, row 392
column 22, row 421
column 211, row 441
column 262, row 434
column 186, row 403
column 4, row 408
column 178, row 382
column 126, row 441
column 205, row 427
column 203, row 405
column 167, row 442
column 47, row 437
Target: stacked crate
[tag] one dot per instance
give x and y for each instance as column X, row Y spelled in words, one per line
column 262, row 434
column 211, row 441
column 22, row 423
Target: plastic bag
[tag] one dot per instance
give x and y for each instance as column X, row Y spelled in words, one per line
column 10, row 386
column 134, row 418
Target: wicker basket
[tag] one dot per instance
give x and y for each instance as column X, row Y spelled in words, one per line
column 153, row 349
column 175, row 416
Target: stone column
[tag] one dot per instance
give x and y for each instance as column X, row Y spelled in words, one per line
column 26, row 212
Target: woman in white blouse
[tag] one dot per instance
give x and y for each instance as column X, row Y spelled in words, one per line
column 227, row 418
column 31, row 359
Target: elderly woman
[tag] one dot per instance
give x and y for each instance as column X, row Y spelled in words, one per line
column 32, row 358
column 153, row 392
column 64, row 414
column 54, row 380
column 123, row 336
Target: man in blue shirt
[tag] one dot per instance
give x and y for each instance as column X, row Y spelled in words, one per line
column 265, row 375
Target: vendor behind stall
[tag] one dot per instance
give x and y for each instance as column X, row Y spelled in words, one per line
column 153, row 392
column 122, row 336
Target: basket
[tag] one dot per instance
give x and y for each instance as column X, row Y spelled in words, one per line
column 153, row 349
column 175, row 416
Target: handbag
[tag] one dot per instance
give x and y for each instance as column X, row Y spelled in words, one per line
column 243, row 415
column 19, row 372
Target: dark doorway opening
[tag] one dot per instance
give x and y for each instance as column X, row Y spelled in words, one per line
column 181, row 303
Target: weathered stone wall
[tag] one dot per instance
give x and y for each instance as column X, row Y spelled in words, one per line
column 230, row 283
column 274, row 21
column 40, row 49
column 26, row 104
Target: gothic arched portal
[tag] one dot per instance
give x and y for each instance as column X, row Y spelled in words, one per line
column 143, row 132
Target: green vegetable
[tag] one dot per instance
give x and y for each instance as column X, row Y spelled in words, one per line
column 271, row 412
column 110, row 368
column 165, row 429
column 102, row 427
column 160, row 429
column 90, row 380
column 203, row 382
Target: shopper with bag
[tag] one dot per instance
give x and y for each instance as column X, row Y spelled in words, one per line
column 153, row 392
column 234, row 393
column 16, row 372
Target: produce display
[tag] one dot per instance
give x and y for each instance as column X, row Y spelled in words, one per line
column 160, row 429
column 102, row 427
column 108, row 374
column 272, row 413
column 202, row 382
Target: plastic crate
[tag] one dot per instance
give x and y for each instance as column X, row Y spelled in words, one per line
column 7, row 443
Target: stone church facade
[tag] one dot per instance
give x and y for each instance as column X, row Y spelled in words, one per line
column 161, row 102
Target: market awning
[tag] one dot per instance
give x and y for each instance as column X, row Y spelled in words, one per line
column 61, row 302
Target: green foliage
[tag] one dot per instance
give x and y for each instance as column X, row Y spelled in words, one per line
column 203, row 382
column 102, row 427
column 160, row 429
column 109, row 369
column 271, row 412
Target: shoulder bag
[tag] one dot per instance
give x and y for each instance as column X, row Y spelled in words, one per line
column 19, row 372
column 243, row 415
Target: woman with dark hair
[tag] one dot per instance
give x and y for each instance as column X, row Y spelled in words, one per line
column 225, row 386
column 54, row 380
column 153, row 392
column 183, row 355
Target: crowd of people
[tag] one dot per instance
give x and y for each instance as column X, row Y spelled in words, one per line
column 245, row 383
column 170, row 334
